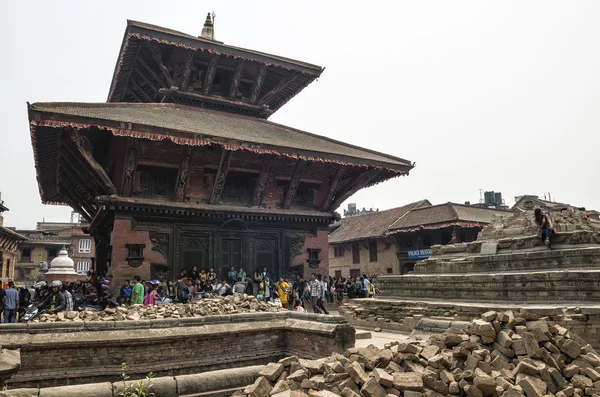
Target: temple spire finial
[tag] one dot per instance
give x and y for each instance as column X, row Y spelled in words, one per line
column 208, row 31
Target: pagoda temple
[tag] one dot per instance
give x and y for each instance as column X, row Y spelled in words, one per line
column 181, row 167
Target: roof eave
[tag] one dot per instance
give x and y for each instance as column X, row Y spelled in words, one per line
column 39, row 117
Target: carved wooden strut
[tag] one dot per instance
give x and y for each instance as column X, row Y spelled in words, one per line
column 263, row 179
column 293, row 186
column 215, row 197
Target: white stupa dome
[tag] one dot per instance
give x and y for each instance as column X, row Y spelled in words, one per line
column 62, row 264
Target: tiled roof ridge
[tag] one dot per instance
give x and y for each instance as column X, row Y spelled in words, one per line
column 382, row 211
column 346, row 220
column 12, row 233
column 161, row 29
column 417, row 205
column 453, row 210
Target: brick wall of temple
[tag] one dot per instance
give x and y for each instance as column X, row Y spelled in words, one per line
column 122, row 235
column 318, row 242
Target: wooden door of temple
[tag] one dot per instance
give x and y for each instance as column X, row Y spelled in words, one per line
column 231, row 254
column 194, row 253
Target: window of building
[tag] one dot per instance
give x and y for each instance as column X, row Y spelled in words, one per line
column 83, row 267
column 85, row 246
column 222, row 82
column 52, row 253
column 462, row 237
column 354, row 272
column 136, row 254
column 338, row 274
column 338, row 251
column 305, row 195
column 313, row 257
column 407, row 268
column 373, row 251
column 156, row 181
column 239, row 187
column 355, row 252
column 26, row 253
column 389, row 270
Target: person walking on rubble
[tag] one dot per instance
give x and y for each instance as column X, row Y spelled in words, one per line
column 545, row 228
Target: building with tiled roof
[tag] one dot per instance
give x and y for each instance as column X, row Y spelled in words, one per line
column 391, row 241
column 181, row 167
column 10, row 241
column 44, row 243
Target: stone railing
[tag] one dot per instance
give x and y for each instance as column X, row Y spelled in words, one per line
column 61, row 353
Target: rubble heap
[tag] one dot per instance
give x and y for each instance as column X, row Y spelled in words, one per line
column 217, row 305
column 502, row 354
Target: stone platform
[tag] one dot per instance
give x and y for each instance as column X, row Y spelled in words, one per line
column 507, row 268
column 68, row 353
column 577, row 285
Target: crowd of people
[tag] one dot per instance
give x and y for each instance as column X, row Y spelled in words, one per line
column 293, row 293
column 56, row 296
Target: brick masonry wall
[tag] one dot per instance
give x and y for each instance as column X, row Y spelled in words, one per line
column 386, row 259
column 54, row 354
column 122, row 235
column 320, row 241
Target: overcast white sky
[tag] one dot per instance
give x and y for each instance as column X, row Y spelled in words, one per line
column 492, row 95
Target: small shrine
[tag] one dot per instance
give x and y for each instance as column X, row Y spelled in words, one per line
column 61, row 268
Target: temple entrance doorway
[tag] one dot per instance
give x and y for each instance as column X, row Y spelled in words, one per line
column 231, row 254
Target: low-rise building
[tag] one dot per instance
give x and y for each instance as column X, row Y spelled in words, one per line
column 440, row 224
column 392, row 241
column 359, row 244
column 10, row 242
column 44, row 243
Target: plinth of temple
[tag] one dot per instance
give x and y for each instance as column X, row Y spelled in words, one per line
column 507, row 266
column 61, row 268
column 509, row 262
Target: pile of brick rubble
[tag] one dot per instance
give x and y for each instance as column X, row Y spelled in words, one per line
column 503, row 354
column 217, row 305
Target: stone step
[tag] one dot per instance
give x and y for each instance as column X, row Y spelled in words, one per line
column 582, row 285
column 362, row 334
column 540, row 259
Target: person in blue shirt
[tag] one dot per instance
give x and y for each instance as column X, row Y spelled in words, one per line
column 11, row 303
column 365, row 286
column 125, row 293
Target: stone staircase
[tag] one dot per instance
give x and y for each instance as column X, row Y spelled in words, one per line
column 506, row 267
